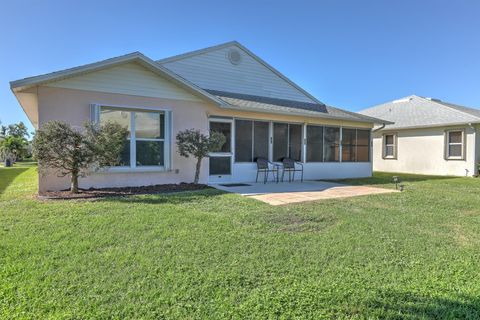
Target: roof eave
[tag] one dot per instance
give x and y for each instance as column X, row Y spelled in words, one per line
column 437, row 125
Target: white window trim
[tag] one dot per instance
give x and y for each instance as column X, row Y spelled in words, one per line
column 448, row 144
column 394, row 145
column 95, row 117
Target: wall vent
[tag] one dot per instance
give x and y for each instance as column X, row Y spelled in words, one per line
column 234, row 56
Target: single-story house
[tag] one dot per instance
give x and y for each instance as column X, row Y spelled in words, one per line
column 428, row 136
column 225, row 88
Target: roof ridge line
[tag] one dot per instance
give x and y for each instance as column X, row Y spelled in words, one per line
column 195, row 52
column 388, row 102
column 445, row 105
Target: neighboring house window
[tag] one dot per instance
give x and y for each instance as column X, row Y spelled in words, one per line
column 455, row 144
column 251, row 140
column 287, row 141
column 145, row 145
column 389, row 146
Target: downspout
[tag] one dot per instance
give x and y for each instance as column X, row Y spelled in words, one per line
column 380, row 128
column 371, row 142
column 476, row 168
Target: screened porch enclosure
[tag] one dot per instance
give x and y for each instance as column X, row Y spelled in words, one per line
column 322, row 149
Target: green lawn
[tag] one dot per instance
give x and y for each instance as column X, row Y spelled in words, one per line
column 210, row 255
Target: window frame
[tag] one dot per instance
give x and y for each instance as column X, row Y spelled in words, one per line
column 448, row 144
column 384, row 146
column 95, row 110
column 223, row 154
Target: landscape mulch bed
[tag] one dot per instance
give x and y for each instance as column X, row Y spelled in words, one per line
column 120, row 192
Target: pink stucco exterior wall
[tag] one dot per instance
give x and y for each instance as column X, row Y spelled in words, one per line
column 73, row 106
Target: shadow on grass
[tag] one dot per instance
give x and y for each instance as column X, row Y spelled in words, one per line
column 7, row 175
column 386, row 178
column 393, row 305
column 168, row 198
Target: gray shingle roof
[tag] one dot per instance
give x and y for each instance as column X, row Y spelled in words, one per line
column 273, row 101
column 274, row 105
column 414, row 111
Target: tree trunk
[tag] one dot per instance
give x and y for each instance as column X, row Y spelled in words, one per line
column 74, row 183
column 197, row 170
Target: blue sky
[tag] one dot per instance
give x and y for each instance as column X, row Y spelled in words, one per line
column 350, row 54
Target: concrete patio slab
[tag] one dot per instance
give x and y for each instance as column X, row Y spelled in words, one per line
column 294, row 192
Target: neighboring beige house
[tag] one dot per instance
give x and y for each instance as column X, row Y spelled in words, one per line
column 428, row 136
column 225, row 88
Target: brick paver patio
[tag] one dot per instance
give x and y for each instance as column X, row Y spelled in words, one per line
column 285, row 193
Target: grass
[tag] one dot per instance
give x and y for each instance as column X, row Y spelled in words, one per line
column 211, row 255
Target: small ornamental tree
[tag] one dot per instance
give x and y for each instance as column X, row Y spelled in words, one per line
column 72, row 152
column 193, row 143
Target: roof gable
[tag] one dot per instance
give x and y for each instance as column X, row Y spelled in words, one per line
column 128, row 78
column 132, row 58
column 414, row 111
column 213, row 69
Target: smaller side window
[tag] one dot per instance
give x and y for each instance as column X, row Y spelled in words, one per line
column 454, row 148
column 389, row 146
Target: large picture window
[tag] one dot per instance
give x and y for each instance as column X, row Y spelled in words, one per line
column 251, row 140
column 145, row 144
